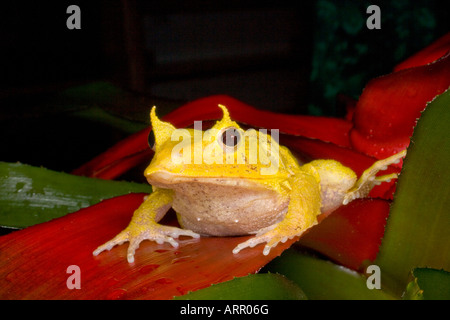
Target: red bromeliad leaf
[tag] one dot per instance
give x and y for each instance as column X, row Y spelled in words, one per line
column 390, row 105
column 352, row 234
column 34, row 262
column 427, row 55
column 126, row 153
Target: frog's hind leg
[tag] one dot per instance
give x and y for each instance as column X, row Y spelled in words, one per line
column 369, row 179
column 303, row 209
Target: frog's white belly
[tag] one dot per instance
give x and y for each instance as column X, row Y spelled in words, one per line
column 227, row 208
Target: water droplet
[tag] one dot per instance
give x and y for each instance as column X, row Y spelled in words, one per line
column 116, row 294
column 236, row 220
column 111, row 282
column 144, row 289
column 19, row 186
column 148, row 268
column 182, row 290
column 10, row 277
column 181, row 259
column 164, row 281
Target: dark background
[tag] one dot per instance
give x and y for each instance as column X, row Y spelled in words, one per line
column 283, row 56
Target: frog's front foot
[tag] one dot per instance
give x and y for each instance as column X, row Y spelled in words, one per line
column 135, row 235
column 369, row 179
column 270, row 235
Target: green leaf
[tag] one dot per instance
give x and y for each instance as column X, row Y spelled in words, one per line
column 103, row 102
column 413, row 291
column 264, row 286
column 98, row 115
column 119, row 103
column 417, row 231
column 323, row 280
column 31, row 195
column 429, row 284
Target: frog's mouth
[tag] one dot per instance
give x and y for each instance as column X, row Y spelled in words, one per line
column 166, row 179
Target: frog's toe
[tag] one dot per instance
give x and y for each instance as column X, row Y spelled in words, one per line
column 274, row 242
column 250, row 243
column 177, row 232
column 136, row 240
column 160, row 235
column 272, row 238
column 258, row 239
column 117, row 240
column 385, row 178
column 134, row 245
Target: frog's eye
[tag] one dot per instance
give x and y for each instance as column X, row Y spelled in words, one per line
column 151, row 140
column 229, row 137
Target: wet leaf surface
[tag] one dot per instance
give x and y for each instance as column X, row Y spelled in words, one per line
column 34, row 261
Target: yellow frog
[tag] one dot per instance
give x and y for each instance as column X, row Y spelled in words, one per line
column 227, row 182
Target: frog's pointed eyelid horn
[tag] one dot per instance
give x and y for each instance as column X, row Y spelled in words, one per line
column 153, row 117
column 162, row 130
column 226, row 114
